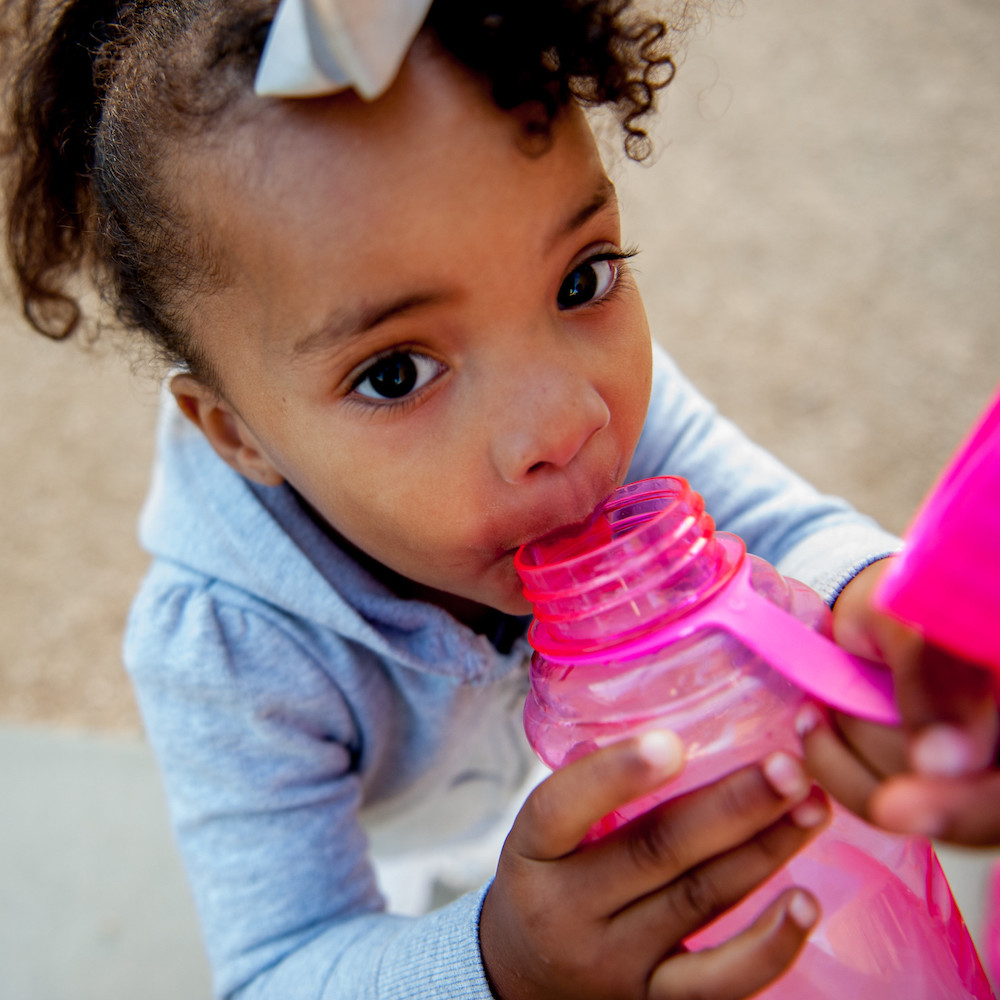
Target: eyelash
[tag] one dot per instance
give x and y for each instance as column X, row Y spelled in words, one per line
column 619, row 256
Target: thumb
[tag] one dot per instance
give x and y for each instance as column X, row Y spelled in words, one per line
column 561, row 810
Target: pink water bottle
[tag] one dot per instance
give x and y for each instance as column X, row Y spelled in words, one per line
column 645, row 617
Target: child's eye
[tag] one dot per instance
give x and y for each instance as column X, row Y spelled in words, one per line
column 396, row 375
column 583, row 284
column 591, row 280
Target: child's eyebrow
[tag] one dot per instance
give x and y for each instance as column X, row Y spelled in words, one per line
column 348, row 323
column 603, row 196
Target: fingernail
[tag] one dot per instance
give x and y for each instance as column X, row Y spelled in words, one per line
column 785, row 775
column 802, row 911
column 662, row 749
column 943, row 751
column 807, row 720
column 810, row 813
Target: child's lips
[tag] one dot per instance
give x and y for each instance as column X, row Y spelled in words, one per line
column 549, row 526
column 547, row 507
column 563, row 527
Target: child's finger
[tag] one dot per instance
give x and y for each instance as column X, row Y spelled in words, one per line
column 833, row 763
column 961, row 811
column 745, row 963
column 951, row 705
column 698, row 896
column 658, row 847
column 948, row 703
column 560, row 811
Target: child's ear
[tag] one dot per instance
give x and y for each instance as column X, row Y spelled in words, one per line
column 225, row 429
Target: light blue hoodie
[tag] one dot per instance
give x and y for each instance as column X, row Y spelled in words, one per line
column 306, row 719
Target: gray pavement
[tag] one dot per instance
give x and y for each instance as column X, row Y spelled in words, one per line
column 93, row 903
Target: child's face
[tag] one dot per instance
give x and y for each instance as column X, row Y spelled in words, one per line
column 421, row 334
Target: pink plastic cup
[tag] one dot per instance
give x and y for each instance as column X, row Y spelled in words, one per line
column 946, row 583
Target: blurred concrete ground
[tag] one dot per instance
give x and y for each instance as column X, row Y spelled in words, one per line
column 820, row 242
column 95, row 906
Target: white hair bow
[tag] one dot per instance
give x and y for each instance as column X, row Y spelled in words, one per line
column 323, row 46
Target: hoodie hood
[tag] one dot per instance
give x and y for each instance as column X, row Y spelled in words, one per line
column 202, row 515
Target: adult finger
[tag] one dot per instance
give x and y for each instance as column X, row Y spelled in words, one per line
column 557, row 815
column 745, row 963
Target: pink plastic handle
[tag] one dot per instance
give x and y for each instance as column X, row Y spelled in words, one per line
column 809, row 660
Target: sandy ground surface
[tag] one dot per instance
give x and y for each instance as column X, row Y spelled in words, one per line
column 820, row 236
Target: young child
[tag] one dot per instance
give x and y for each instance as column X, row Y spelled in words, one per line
column 406, row 342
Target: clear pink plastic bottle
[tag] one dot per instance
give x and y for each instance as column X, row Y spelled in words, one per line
column 604, row 594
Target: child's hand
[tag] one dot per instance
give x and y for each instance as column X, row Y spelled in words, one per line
column 937, row 775
column 607, row 919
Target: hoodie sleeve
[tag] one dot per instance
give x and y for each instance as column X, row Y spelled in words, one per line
column 820, row 540
column 261, row 758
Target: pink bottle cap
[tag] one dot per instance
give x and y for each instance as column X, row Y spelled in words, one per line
column 946, row 583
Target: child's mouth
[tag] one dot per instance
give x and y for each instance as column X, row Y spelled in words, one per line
column 551, row 528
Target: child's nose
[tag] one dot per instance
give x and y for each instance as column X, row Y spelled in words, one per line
column 549, row 429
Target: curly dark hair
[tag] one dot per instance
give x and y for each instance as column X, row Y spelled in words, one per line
column 107, row 88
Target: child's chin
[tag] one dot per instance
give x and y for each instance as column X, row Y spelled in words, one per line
column 514, row 604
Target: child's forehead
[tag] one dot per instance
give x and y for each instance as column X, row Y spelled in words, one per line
column 332, row 206
column 433, row 102
column 434, row 134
